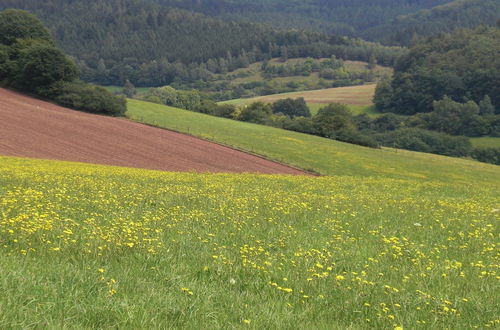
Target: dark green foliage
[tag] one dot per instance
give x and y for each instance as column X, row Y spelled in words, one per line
column 40, row 66
column 129, row 89
column 458, row 65
column 211, row 108
column 332, row 16
column 404, row 30
column 426, row 141
column 95, row 99
column 19, row 24
column 300, row 124
column 386, row 122
column 225, row 111
column 151, row 45
column 292, row 108
column 383, row 96
column 167, row 95
column 334, row 121
column 457, row 119
column 487, row 155
column 256, row 112
column 486, row 107
column 29, row 61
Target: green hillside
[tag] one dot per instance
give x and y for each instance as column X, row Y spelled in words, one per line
column 332, row 16
column 311, row 152
column 358, row 98
column 154, row 45
column 390, row 21
column 428, row 22
column 486, row 142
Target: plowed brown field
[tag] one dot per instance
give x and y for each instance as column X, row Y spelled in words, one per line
column 37, row 129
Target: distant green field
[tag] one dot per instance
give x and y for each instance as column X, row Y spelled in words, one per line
column 311, row 152
column 491, row 142
column 355, row 95
column 114, row 89
column 355, row 109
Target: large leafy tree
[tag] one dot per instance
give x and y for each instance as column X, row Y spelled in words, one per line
column 40, row 66
column 334, row 121
column 19, row 24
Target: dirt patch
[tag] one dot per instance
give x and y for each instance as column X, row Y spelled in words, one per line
column 37, row 129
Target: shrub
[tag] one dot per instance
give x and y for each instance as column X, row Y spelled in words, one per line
column 80, row 96
column 256, row 112
column 39, row 66
column 292, row 108
column 487, row 155
column 426, row 141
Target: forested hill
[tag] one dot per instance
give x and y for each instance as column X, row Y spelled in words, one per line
column 394, row 22
column 445, row 18
column 339, row 16
column 153, row 45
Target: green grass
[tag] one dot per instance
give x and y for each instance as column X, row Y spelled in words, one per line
column 114, row 89
column 487, row 142
column 87, row 246
column 311, row 152
column 389, row 239
column 352, row 95
column 354, row 108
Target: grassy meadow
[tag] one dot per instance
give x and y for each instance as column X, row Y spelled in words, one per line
column 357, row 95
column 486, row 142
column 389, row 239
column 119, row 89
column 88, row 246
column 357, row 98
column 310, row 152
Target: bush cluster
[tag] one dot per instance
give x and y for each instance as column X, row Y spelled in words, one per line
column 30, row 62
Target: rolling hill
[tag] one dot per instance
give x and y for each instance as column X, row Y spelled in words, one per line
column 325, row 156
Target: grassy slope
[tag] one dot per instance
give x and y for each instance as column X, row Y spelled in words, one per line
column 358, row 98
column 85, row 246
column 119, row 89
column 388, row 239
column 490, row 142
column 310, row 152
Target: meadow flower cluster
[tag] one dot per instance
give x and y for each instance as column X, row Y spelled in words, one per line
column 339, row 251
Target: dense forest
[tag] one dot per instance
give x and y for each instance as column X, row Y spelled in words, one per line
column 448, row 84
column 152, row 45
column 406, row 29
column 347, row 17
column 395, row 22
column 464, row 66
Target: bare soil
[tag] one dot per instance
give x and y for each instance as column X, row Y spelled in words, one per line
column 38, row 129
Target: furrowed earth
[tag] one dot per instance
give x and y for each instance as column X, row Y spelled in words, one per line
column 38, row 129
